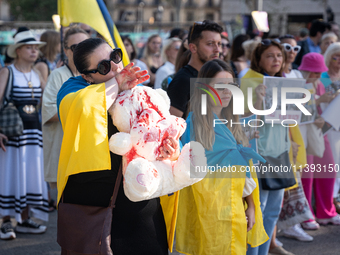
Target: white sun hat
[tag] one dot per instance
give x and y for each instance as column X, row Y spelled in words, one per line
column 22, row 38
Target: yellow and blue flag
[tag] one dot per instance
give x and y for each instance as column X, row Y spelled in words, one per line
column 95, row 14
column 211, row 213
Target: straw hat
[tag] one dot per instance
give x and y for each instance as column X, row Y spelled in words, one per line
column 22, row 38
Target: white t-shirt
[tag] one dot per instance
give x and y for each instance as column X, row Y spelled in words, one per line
column 163, row 72
column 243, row 72
column 294, row 74
column 52, row 131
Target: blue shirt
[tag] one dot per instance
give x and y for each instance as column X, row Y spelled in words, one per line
column 312, row 47
column 1, row 61
column 273, row 139
column 325, row 79
column 225, row 151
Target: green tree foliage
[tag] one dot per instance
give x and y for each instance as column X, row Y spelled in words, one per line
column 33, row 10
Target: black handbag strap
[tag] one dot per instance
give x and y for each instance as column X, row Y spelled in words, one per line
column 9, row 88
column 116, row 188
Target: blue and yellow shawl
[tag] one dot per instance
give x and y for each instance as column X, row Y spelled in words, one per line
column 85, row 146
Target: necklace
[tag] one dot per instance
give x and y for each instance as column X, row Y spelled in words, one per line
column 70, row 70
column 29, row 83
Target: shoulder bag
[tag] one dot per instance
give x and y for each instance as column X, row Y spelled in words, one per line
column 10, row 121
column 315, row 141
column 83, row 229
column 279, row 173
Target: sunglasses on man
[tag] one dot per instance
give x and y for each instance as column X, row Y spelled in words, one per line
column 196, row 23
column 104, row 66
column 289, row 47
column 72, row 47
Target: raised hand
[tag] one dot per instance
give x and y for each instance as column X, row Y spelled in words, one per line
column 130, row 76
column 260, row 91
column 319, row 122
column 326, row 97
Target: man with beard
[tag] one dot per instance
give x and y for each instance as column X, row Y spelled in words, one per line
column 205, row 44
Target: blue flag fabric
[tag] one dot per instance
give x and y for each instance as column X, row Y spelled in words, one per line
column 225, row 152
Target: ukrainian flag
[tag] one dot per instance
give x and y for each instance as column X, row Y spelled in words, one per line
column 211, row 213
column 95, row 14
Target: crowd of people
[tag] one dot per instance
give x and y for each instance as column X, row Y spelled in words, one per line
column 222, row 214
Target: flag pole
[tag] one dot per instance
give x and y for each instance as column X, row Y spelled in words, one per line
column 62, row 55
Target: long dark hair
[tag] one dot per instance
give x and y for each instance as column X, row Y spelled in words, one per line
column 183, row 57
column 203, row 124
column 83, row 50
column 134, row 53
column 236, row 48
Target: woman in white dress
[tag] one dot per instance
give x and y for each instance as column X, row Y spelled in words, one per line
column 23, row 191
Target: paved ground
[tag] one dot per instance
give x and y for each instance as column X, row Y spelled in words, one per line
column 326, row 242
column 28, row 244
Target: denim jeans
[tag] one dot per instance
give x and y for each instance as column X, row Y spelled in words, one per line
column 271, row 202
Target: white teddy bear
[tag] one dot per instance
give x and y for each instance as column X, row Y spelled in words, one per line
column 142, row 116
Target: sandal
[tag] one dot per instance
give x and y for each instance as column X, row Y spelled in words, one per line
column 51, row 206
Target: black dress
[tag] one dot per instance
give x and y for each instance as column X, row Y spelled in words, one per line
column 137, row 227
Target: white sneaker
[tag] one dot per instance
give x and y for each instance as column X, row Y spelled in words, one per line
column 334, row 220
column 310, row 225
column 297, row 232
column 7, row 231
column 30, row 227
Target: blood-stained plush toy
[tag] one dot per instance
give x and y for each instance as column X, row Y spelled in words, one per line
column 142, row 116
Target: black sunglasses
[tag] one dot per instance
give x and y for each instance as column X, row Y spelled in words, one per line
column 104, row 66
column 72, row 47
column 268, row 42
column 225, row 45
column 196, row 23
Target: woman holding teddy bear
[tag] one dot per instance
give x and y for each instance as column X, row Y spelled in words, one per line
column 87, row 169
